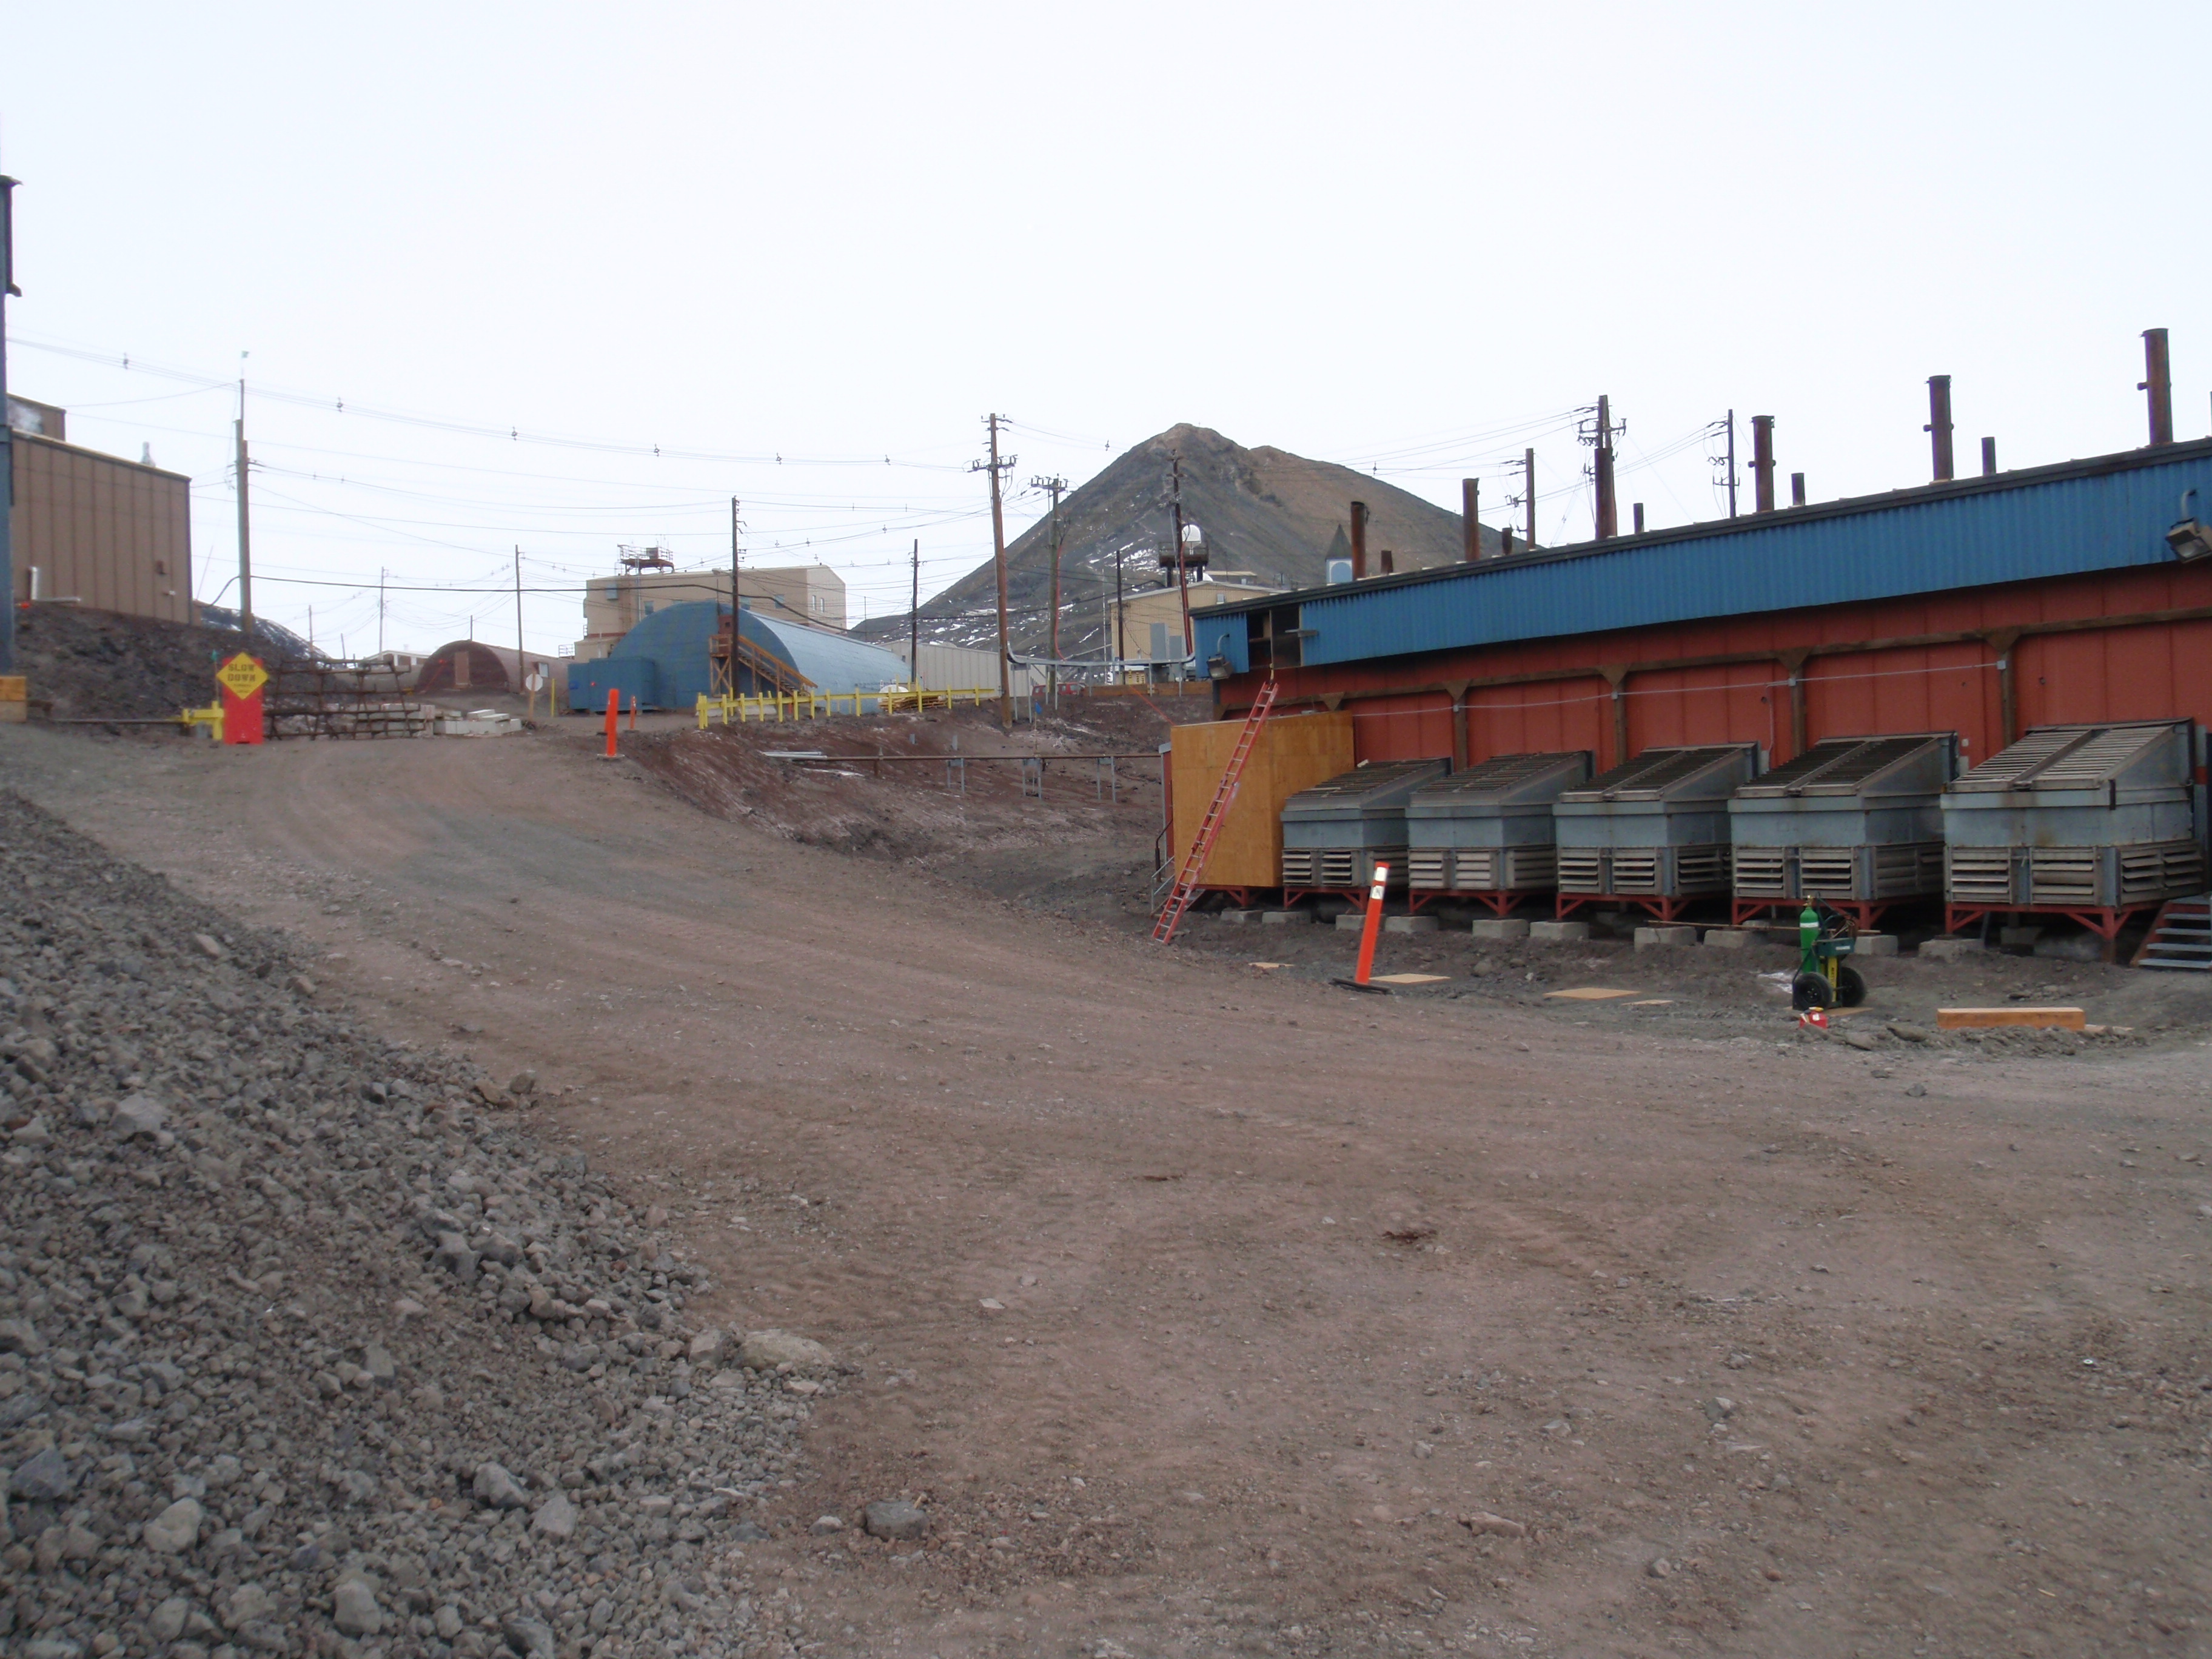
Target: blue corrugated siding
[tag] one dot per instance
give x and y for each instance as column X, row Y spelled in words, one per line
column 2058, row 527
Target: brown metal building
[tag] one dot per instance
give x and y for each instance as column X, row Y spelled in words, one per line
column 108, row 534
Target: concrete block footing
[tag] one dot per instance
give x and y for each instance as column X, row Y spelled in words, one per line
column 2018, row 938
column 1729, row 939
column 1501, row 928
column 1558, row 929
column 1351, row 921
column 1284, row 918
column 1875, row 945
column 1950, row 949
column 1661, row 937
column 1409, row 924
column 1241, row 918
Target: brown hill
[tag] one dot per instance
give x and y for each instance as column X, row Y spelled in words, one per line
column 1264, row 512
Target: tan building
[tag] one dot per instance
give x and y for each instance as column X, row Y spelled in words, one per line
column 1147, row 626
column 811, row 594
column 95, row 529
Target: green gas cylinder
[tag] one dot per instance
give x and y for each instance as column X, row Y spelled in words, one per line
column 1808, row 938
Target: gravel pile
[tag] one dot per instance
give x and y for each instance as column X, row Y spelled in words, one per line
column 306, row 1348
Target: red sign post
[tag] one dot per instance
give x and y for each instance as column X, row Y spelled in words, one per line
column 242, row 679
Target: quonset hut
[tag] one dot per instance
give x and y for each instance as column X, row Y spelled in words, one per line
column 664, row 661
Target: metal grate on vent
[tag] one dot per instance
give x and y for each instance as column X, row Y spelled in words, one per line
column 2152, row 871
column 1530, row 867
column 1977, row 875
column 1908, row 869
column 1702, row 870
column 1336, row 866
column 2061, row 875
column 1762, row 873
column 1475, row 870
column 1298, row 867
column 2103, row 757
column 1635, row 870
column 1828, row 872
column 1582, row 870
column 2005, row 768
column 1427, row 867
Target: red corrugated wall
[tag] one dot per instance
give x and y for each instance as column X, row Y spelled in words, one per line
column 1560, row 693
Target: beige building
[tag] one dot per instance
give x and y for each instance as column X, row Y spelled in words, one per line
column 97, row 530
column 811, row 594
column 1147, row 626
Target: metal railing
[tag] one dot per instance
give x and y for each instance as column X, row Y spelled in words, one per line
column 820, row 705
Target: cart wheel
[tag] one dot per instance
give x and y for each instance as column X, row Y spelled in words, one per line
column 1810, row 991
column 1850, row 989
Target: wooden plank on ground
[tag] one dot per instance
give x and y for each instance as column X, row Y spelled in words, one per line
column 1987, row 1019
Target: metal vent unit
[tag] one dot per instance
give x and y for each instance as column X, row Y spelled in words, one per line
column 1654, row 830
column 1488, row 831
column 1334, row 832
column 2076, row 818
column 1856, row 821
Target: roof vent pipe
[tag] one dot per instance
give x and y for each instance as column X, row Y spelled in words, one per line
column 2158, row 384
column 1988, row 457
column 1470, row 518
column 1797, row 490
column 1762, row 463
column 1359, row 541
column 1939, row 425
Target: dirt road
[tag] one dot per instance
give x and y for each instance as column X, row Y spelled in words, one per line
column 1213, row 1310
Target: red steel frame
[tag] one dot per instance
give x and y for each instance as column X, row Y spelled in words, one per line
column 1662, row 908
column 2105, row 921
column 1864, row 915
column 1501, row 900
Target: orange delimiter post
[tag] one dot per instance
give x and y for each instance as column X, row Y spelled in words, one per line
column 614, row 714
column 1373, row 926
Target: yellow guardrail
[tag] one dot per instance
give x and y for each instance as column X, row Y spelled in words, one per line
column 209, row 717
column 817, row 705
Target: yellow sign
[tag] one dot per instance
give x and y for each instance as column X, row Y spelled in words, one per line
column 242, row 676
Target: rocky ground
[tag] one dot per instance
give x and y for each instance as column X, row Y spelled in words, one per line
column 308, row 1345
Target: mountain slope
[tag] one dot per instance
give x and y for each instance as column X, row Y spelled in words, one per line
column 1264, row 511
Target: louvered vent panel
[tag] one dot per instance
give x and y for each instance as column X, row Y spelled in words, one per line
column 1978, row 875
column 1530, row 867
column 1427, row 867
column 1582, row 870
column 1298, row 867
column 1762, row 873
column 1701, row 870
column 1828, row 872
column 2003, row 771
column 2063, row 875
column 1635, row 870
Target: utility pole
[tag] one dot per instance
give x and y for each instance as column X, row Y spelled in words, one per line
column 1120, row 620
column 1606, row 518
column 1731, row 462
column 1055, row 484
column 246, row 532
column 1529, row 492
column 730, row 663
column 379, row 612
column 1183, row 578
column 914, row 628
column 7, row 441
column 994, row 467
column 520, row 668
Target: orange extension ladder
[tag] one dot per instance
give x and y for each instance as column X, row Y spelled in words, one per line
column 1224, row 795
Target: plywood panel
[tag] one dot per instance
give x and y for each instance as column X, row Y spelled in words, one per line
column 1293, row 753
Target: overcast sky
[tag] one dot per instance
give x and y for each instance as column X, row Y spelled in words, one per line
column 1409, row 237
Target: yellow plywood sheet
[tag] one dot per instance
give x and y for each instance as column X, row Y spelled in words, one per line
column 1292, row 753
column 1984, row 1019
column 1589, row 994
column 1411, row 979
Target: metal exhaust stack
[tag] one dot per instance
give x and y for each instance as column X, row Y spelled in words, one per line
column 1797, row 490
column 1359, row 541
column 2158, row 384
column 1762, row 463
column 1470, row 512
column 1988, row 457
column 1939, row 425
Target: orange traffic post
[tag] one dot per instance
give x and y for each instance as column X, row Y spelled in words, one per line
column 614, row 715
column 1373, row 926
